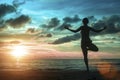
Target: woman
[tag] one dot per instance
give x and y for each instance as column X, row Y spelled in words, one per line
column 86, row 42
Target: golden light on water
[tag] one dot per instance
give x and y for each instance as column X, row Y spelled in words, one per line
column 19, row 51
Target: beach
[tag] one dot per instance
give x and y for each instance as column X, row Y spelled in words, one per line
column 61, row 69
column 58, row 62
column 57, row 75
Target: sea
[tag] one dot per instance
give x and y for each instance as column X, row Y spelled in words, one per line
column 60, row 64
column 110, row 41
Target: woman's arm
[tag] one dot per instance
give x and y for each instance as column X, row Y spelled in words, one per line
column 92, row 29
column 77, row 30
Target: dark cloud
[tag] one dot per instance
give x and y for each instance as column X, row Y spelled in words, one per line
column 71, row 20
column 31, row 30
column 41, row 35
column 92, row 18
column 98, row 7
column 112, row 23
column 54, row 22
column 49, row 35
column 108, row 7
column 61, row 27
column 3, row 27
column 113, row 19
column 19, row 21
column 67, row 39
column 67, row 21
column 6, row 9
column 14, row 23
column 34, row 31
column 17, row 3
column 85, row 7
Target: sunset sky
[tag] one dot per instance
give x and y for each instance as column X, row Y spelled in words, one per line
column 36, row 23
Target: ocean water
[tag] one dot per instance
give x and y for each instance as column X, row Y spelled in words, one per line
column 60, row 64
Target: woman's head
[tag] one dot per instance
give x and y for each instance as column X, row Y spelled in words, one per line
column 85, row 21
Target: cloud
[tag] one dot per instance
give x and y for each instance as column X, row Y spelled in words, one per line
column 105, row 7
column 45, row 35
column 31, row 30
column 17, row 3
column 16, row 23
column 92, row 18
column 67, row 39
column 72, row 20
column 19, row 21
column 112, row 23
column 6, row 9
column 85, row 7
column 3, row 27
column 67, row 21
column 61, row 27
column 113, row 19
column 54, row 22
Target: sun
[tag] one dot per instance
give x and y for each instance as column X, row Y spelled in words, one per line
column 19, row 51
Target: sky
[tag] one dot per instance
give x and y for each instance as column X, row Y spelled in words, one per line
column 45, row 9
column 35, row 16
column 82, row 7
column 37, row 19
column 20, row 16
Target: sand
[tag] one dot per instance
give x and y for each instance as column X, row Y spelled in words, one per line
column 57, row 75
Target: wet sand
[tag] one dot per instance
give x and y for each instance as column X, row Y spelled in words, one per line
column 58, row 75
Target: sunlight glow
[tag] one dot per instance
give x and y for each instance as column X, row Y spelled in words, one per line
column 19, row 51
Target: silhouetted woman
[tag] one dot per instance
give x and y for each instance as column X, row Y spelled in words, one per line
column 86, row 42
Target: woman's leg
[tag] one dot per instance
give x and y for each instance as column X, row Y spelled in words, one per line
column 92, row 47
column 85, row 54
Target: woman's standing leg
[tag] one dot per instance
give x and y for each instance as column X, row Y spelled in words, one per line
column 85, row 54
